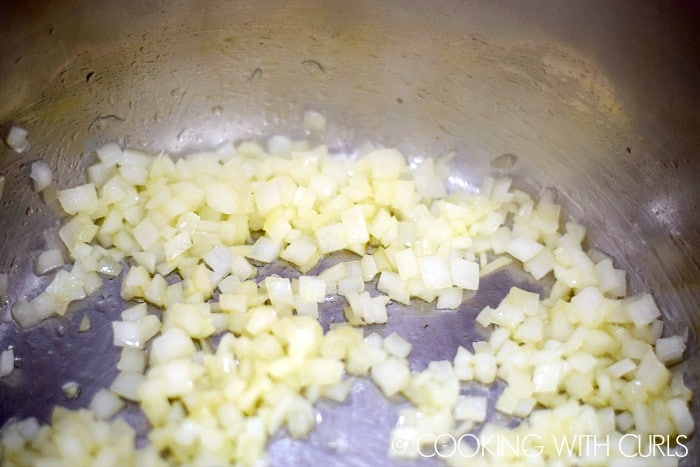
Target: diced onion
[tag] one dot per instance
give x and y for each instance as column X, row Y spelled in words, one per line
column 314, row 121
column 670, row 350
column 85, row 324
column 16, row 138
column 49, row 260
column 71, row 389
column 577, row 357
column 391, row 375
column 105, row 404
column 397, row 345
column 471, row 408
column 642, row 310
column 126, row 385
column 41, row 175
column 7, row 362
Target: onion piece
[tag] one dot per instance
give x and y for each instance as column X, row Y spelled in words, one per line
column 16, row 138
column 7, row 362
column 49, row 260
column 391, row 375
column 523, row 249
column 642, row 310
column 105, row 404
column 41, row 175
column 396, row 345
column 85, row 324
column 314, row 121
column 196, row 218
column 126, row 385
column 669, row 350
column 71, row 389
column 471, row 408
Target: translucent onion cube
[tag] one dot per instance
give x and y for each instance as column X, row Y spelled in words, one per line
column 109, row 154
column 449, row 298
column 146, row 233
column 384, row 164
column 434, row 272
column 621, row 368
column 265, row 250
column 547, row 376
column 135, row 313
column 311, row 289
column 193, row 318
column 331, row 238
column 127, row 334
column 16, row 138
column 267, row 197
column 464, row 273
column 41, row 175
column 391, row 375
column 132, row 359
column 642, row 310
column 314, row 121
column 177, row 246
column 471, row 408
column 303, row 252
column 126, row 385
column 353, row 221
column 670, row 350
column 82, row 199
column 463, row 364
column 541, row 264
column 279, row 291
column 172, row 344
column 339, row 391
column 391, row 284
column 406, row 264
column 396, row 345
column 681, row 416
column 7, row 362
column 49, row 260
column 485, row 367
column 222, row 198
column 523, row 249
column 652, row 374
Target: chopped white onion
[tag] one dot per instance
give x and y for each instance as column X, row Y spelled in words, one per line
column 314, row 121
column 16, row 138
column 126, row 385
column 85, row 324
column 49, row 260
column 471, row 408
column 7, row 362
column 109, row 154
column 572, row 358
column 669, row 350
column 41, row 175
column 396, row 345
column 105, row 404
column 391, row 375
column 523, row 249
column 71, row 389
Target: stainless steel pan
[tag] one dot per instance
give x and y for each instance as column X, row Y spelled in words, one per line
column 596, row 99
